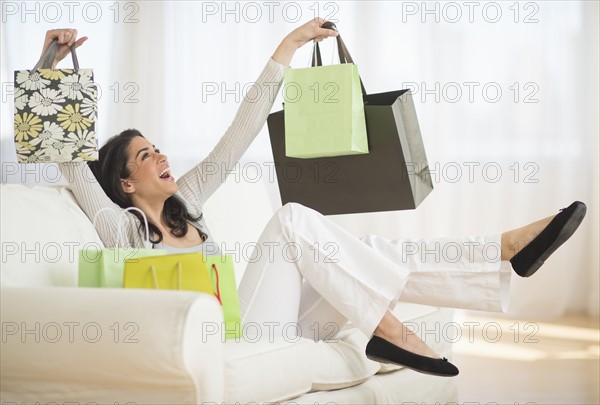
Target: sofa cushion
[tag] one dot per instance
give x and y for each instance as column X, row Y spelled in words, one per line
column 42, row 231
column 341, row 362
column 276, row 370
column 266, row 371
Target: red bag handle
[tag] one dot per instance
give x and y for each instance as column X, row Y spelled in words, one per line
column 218, row 293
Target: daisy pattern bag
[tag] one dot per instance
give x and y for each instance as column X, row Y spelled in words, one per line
column 55, row 112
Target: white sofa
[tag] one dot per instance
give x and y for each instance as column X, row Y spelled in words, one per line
column 65, row 344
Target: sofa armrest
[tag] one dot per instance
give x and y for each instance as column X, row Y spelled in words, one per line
column 110, row 346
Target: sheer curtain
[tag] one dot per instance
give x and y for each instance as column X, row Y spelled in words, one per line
column 506, row 93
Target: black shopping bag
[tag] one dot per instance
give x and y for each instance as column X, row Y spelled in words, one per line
column 394, row 175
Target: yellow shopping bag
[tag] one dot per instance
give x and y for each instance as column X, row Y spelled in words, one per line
column 185, row 271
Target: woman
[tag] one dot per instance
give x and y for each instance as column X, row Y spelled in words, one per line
column 366, row 276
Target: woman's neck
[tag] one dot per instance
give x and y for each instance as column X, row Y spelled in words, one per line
column 153, row 211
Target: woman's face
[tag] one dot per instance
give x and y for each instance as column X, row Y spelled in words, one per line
column 150, row 177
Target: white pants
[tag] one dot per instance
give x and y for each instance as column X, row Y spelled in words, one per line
column 309, row 276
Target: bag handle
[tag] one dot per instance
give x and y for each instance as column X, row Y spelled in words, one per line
column 147, row 241
column 179, row 271
column 341, row 47
column 218, row 293
column 343, row 52
column 48, row 57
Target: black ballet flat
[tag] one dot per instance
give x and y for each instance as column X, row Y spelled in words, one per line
column 529, row 259
column 381, row 350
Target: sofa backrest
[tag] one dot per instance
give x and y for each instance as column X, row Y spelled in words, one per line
column 43, row 228
column 236, row 215
column 42, row 231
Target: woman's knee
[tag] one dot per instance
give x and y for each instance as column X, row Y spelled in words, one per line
column 292, row 214
column 293, row 210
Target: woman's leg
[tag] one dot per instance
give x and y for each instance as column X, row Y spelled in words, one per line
column 362, row 279
column 317, row 318
column 300, row 243
column 458, row 272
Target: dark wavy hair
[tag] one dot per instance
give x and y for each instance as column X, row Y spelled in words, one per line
column 112, row 166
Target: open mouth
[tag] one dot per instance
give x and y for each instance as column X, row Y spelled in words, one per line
column 166, row 175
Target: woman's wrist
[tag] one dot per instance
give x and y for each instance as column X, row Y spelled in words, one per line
column 285, row 51
column 308, row 32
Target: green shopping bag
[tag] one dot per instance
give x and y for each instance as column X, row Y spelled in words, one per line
column 324, row 112
column 222, row 272
column 105, row 267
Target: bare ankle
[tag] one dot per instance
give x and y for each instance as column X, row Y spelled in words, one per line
column 508, row 245
column 389, row 326
column 395, row 332
column 517, row 239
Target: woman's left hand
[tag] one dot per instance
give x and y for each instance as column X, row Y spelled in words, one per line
column 308, row 32
column 66, row 38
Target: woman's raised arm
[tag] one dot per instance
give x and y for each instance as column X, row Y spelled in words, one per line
column 198, row 184
column 86, row 189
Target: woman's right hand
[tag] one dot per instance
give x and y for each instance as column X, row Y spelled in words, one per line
column 66, row 38
column 312, row 30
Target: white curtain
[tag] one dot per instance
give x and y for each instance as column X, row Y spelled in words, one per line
column 507, row 95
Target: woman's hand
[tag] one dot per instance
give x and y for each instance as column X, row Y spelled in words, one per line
column 310, row 31
column 66, row 38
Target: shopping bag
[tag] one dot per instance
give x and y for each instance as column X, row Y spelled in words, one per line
column 324, row 112
column 222, row 273
column 185, row 271
column 55, row 112
column 394, row 175
column 105, row 267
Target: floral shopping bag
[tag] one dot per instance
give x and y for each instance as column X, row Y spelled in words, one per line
column 55, row 112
